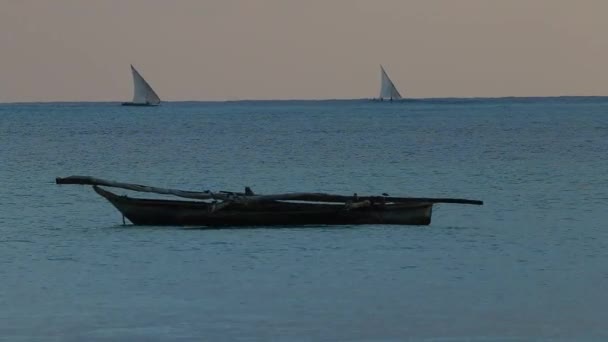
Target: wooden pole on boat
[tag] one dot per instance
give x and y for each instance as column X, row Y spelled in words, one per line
column 86, row 180
column 235, row 197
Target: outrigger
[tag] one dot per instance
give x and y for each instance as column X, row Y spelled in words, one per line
column 238, row 209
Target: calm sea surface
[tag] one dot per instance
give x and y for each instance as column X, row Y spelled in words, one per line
column 531, row 264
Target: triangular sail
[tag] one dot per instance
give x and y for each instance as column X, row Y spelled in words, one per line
column 142, row 92
column 387, row 87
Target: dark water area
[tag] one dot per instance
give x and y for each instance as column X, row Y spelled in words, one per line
column 531, row 264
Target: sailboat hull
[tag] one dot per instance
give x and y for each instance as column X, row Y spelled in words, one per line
column 139, row 104
column 389, row 100
column 272, row 213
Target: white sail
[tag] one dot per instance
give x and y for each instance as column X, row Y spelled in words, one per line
column 142, row 92
column 387, row 87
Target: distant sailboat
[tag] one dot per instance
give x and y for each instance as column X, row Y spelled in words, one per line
column 387, row 87
column 143, row 94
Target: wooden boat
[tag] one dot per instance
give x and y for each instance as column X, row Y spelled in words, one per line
column 266, row 213
column 247, row 209
column 143, row 94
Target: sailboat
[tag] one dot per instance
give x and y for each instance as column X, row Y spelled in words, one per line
column 143, row 94
column 387, row 87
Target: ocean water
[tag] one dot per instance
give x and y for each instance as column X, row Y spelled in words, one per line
column 529, row 265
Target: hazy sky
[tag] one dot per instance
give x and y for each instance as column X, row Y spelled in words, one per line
column 80, row 50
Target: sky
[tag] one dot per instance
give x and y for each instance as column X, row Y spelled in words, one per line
column 80, row 50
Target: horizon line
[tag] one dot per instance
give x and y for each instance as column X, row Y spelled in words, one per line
column 327, row 99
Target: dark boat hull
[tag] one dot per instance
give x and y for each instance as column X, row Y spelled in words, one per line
column 139, row 104
column 271, row 213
